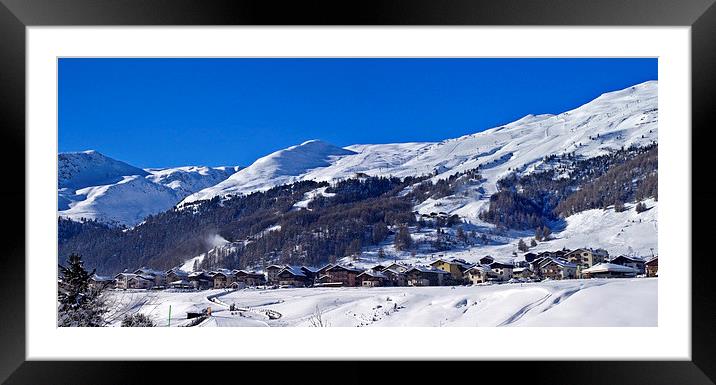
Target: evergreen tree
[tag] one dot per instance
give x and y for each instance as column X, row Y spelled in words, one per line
column 354, row 247
column 380, row 231
column 640, row 207
column 533, row 243
column 137, row 320
column 381, row 253
column 461, row 235
column 522, row 246
column 403, row 240
column 79, row 305
column 619, row 206
column 538, row 234
column 546, row 231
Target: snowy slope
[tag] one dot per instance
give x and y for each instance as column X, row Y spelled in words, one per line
column 620, row 233
column 619, row 118
column 593, row 302
column 77, row 170
column 280, row 167
column 126, row 202
column 94, row 186
column 609, row 122
column 189, row 179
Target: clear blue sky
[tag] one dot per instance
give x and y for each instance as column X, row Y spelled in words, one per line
column 173, row 112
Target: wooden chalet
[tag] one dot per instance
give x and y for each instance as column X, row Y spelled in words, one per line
column 370, row 278
column 557, row 268
column 100, row 282
column 522, row 272
column 222, row 279
column 176, row 274
column 272, row 274
column 456, row 268
column 425, row 276
column 503, row 270
column 345, row 274
column 609, row 270
column 486, row 260
column 398, row 267
column 652, row 267
column 159, row 278
column 292, row 276
column 310, row 272
column 200, row 280
column 137, row 281
column 633, row 262
column 394, row 278
column 248, row 278
column 586, row 258
column 479, row 274
column 529, row 257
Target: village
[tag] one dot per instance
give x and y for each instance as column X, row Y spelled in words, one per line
column 583, row 263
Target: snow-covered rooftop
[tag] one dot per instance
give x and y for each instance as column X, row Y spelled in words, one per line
column 609, row 268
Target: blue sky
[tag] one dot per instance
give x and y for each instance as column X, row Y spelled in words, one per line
column 173, row 112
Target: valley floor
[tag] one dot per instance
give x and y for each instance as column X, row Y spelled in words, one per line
column 579, row 302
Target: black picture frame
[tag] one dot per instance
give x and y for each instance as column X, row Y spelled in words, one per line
column 16, row 15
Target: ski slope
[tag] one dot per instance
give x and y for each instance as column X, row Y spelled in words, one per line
column 619, row 119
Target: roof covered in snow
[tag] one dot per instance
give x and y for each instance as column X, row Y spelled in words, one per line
column 609, row 268
column 558, row 261
column 372, row 273
column 296, row 271
column 344, row 267
column 427, row 269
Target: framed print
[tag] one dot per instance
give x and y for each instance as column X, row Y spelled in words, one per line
column 230, row 181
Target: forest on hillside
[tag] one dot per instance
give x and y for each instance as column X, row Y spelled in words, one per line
column 572, row 185
column 264, row 227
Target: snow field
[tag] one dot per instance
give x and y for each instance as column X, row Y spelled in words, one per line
column 593, row 302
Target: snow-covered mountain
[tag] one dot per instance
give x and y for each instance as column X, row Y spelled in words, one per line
column 611, row 121
column 90, row 168
column 190, row 179
column 281, row 167
column 91, row 185
column 94, row 186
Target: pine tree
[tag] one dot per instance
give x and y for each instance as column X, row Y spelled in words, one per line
column 137, row 320
column 354, row 247
column 380, row 231
column 619, row 206
column 403, row 240
column 381, row 253
column 538, row 234
column 546, row 232
column 461, row 235
column 522, row 246
column 533, row 243
column 79, row 305
column 640, row 207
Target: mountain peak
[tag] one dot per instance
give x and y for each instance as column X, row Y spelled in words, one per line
column 91, row 168
column 279, row 167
